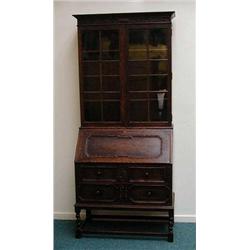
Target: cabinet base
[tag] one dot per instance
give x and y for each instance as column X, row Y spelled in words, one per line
column 126, row 225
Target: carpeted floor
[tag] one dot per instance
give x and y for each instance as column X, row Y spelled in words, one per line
column 64, row 239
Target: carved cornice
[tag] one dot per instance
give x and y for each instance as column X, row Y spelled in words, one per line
column 126, row 18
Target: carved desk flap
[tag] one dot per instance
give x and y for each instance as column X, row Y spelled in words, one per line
column 124, row 145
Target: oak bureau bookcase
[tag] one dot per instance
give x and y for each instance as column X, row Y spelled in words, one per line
column 123, row 160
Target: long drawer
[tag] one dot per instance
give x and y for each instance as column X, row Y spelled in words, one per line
column 125, row 194
column 118, row 173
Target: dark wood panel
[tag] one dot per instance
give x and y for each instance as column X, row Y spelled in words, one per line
column 124, row 145
column 149, row 194
column 125, row 172
column 125, row 18
column 127, row 207
column 97, row 192
column 97, row 173
column 147, row 174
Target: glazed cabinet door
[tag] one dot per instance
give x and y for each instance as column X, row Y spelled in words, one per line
column 125, row 75
column 100, row 87
column 149, row 74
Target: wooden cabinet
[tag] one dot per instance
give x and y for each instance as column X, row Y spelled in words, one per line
column 123, row 157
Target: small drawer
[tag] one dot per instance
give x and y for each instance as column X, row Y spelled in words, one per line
column 88, row 173
column 144, row 174
column 94, row 192
column 149, row 194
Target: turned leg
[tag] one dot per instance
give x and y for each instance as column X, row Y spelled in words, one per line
column 78, row 222
column 88, row 214
column 170, row 226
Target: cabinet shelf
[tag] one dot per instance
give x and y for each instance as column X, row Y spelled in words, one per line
column 148, row 75
column 148, row 91
column 100, row 61
column 149, row 59
column 101, row 100
column 101, row 75
column 100, row 91
column 98, row 51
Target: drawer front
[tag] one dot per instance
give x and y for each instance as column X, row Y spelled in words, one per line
column 147, row 174
column 88, row 173
column 101, row 193
column 125, row 173
column 150, row 194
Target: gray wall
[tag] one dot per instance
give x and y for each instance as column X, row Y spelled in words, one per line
column 66, row 98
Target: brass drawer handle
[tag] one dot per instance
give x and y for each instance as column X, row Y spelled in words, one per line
column 146, row 174
column 98, row 192
column 122, row 174
column 99, row 173
column 149, row 193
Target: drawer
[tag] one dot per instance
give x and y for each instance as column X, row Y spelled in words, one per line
column 88, row 173
column 144, row 174
column 100, row 193
column 134, row 173
column 149, row 194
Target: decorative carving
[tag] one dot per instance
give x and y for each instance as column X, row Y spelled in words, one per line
column 170, row 225
column 78, row 222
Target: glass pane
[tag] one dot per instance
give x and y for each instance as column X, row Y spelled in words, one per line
column 110, row 68
column 157, row 44
column 137, row 37
column 158, row 83
column 90, row 56
column 91, row 83
column 110, row 55
column 138, row 110
column 158, row 67
column 91, row 68
column 110, row 83
column 110, row 40
column 158, row 109
column 91, row 40
column 157, row 38
column 157, row 54
column 110, row 45
column 88, row 96
column 114, row 96
column 136, row 54
column 137, row 44
column 137, row 67
column 92, row 111
column 111, row 110
column 137, row 83
column 135, row 96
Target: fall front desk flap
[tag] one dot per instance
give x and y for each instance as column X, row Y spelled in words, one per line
column 124, row 145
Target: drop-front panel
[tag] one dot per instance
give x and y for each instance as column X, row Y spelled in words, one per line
column 124, row 145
